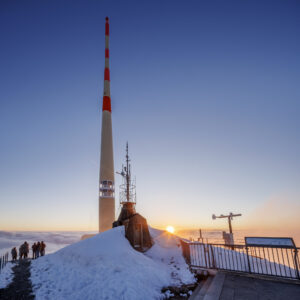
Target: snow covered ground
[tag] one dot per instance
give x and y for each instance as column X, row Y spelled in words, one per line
column 107, row 267
column 6, row 275
column 167, row 252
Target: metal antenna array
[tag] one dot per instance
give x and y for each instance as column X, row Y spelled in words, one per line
column 229, row 217
column 127, row 188
column 136, row 227
column 228, row 237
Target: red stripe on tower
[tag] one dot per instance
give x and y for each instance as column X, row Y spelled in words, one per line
column 106, row 103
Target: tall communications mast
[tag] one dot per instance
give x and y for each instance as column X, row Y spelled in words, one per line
column 107, row 181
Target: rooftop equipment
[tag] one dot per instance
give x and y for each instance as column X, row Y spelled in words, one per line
column 136, row 227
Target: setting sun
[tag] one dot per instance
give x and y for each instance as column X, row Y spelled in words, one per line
column 170, row 229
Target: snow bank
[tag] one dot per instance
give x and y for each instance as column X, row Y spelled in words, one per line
column 167, row 252
column 6, row 275
column 106, row 267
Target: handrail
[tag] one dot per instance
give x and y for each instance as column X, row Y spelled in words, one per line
column 3, row 260
column 279, row 261
column 244, row 245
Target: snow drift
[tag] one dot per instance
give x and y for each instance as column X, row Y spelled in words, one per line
column 6, row 275
column 107, row 267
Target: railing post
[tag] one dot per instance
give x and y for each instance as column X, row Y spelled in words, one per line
column 212, row 256
column 296, row 263
column 248, row 259
column 186, row 251
column 205, row 252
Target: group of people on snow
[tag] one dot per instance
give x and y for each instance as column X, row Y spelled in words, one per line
column 38, row 249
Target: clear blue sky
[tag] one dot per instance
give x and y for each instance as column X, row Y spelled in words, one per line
column 206, row 92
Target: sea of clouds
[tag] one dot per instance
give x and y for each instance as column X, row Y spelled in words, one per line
column 54, row 240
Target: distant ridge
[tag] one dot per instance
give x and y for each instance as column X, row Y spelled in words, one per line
column 86, row 236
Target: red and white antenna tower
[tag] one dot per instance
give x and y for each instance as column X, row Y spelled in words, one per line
column 107, row 181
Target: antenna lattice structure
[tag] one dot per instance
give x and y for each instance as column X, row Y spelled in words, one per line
column 128, row 187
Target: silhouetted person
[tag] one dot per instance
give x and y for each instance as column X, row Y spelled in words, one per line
column 38, row 248
column 21, row 251
column 26, row 249
column 42, row 250
column 14, row 253
column 33, row 247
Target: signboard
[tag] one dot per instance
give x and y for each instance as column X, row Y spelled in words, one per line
column 270, row 241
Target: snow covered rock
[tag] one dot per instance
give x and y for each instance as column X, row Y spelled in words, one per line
column 107, row 267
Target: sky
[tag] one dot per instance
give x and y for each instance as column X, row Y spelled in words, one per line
column 206, row 93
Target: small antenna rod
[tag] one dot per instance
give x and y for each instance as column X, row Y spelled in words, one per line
column 127, row 174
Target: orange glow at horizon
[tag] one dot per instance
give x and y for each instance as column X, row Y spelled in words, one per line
column 170, row 229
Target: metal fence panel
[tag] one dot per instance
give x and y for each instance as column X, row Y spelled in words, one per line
column 271, row 260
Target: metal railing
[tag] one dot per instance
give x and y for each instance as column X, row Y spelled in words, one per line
column 279, row 261
column 3, row 260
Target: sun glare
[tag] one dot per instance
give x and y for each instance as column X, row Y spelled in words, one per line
column 170, row 229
